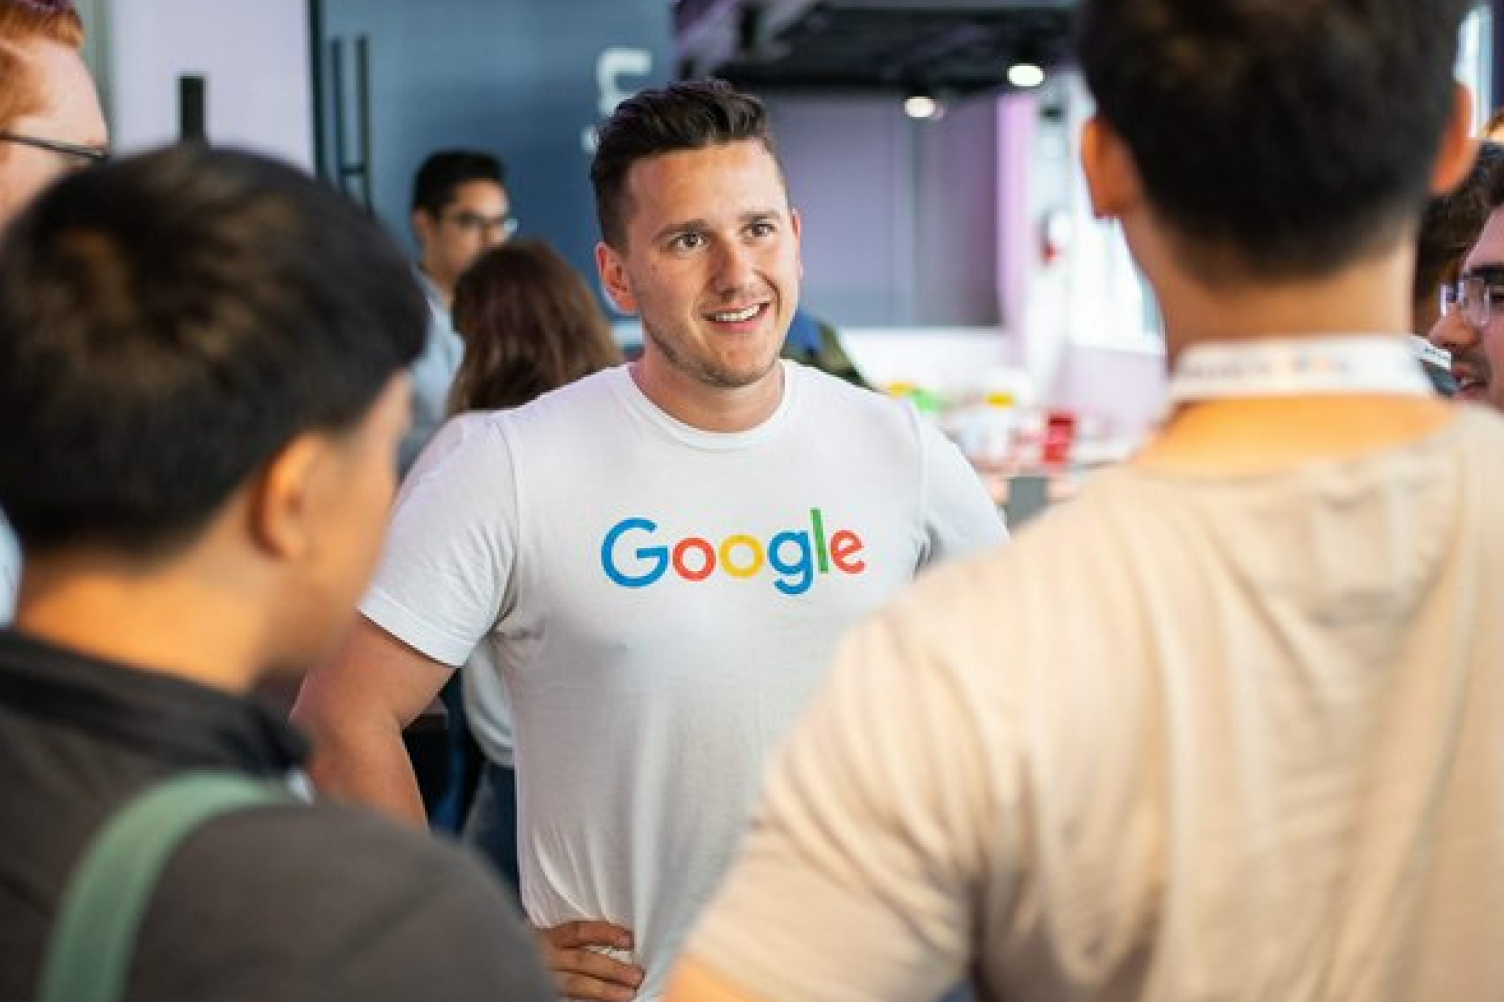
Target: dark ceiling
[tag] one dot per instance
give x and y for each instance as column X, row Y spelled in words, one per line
column 944, row 46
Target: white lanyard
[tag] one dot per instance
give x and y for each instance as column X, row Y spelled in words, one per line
column 1291, row 367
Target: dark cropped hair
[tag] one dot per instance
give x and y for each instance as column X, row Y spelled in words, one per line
column 530, row 325
column 1451, row 223
column 1494, row 185
column 168, row 323
column 443, row 172
column 1278, row 138
column 690, row 115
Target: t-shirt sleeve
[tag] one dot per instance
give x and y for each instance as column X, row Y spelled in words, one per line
column 866, row 874
column 960, row 517
column 445, row 570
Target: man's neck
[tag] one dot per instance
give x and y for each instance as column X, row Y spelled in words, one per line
column 188, row 626
column 1369, row 298
column 442, row 285
column 1265, row 434
column 723, row 410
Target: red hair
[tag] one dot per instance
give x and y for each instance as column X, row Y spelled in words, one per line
column 23, row 23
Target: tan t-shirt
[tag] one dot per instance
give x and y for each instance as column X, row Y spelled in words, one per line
column 1189, row 739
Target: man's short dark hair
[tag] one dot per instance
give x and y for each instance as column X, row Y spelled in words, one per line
column 690, row 115
column 168, row 323
column 1494, row 189
column 1451, row 223
column 1277, row 138
column 443, row 172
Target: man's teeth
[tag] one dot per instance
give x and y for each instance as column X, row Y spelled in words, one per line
column 735, row 316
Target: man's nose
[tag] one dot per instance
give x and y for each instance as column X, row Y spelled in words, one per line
column 735, row 267
column 1452, row 333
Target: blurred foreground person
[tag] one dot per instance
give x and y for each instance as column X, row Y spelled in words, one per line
column 1230, row 725
column 202, row 388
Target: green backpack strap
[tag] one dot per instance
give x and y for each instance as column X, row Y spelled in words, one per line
column 94, row 939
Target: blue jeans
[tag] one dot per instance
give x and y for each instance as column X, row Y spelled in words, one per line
column 492, row 824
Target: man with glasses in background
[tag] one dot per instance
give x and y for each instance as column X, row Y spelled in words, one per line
column 1472, row 310
column 460, row 209
column 50, row 123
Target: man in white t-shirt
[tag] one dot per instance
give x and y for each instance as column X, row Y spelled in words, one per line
column 661, row 555
column 1230, row 725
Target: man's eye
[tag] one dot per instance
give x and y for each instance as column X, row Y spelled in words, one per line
column 687, row 241
column 762, row 229
column 1495, row 295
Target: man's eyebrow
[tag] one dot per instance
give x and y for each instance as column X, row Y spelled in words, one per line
column 683, row 226
column 1490, row 273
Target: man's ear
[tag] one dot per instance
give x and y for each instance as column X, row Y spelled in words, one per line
column 282, row 503
column 423, row 225
column 1111, row 178
column 614, row 278
column 1458, row 149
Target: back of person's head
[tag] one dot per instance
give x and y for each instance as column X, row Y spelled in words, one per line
column 1276, row 138
column 530, row 324
column 444, row 171
column 1449, row 227
column 691, row 115
column 168, row 323
column 22, row 23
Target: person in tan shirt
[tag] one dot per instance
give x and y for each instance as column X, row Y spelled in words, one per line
column 1229, row 725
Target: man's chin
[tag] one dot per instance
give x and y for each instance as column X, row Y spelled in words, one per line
column 1475, row 393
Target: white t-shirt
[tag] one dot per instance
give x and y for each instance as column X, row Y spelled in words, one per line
column 661, row 600
column 10, row 571
column 1189, row 738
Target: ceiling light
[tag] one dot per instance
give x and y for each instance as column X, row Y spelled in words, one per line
column 921, row 106
column 1025, row 75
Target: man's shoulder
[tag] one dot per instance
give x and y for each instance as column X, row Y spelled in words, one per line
column 334, row 901
column 829, row 393
column 564, row 406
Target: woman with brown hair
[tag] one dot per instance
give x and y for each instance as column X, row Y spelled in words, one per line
column 529, row 324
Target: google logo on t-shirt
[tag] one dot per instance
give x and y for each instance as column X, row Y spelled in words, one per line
column 794, row 555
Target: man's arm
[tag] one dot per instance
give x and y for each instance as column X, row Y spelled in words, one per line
column 354, row 707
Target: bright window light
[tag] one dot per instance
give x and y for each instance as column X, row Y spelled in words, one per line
column 1025, row 75
column 921, row 106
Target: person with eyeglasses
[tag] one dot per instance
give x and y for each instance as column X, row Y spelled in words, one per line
column 50, row 123
column 1471, row 324
column 460, row 209
column 1448, row 228
column 50, row 117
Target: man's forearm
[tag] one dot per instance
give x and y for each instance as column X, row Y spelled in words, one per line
column 371, row 767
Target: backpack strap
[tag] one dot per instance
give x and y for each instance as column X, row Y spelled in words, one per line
column 94, row 938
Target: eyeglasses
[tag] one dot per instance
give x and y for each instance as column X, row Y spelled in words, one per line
column 91, row 154
column 1474, row 297
column 474, row 222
